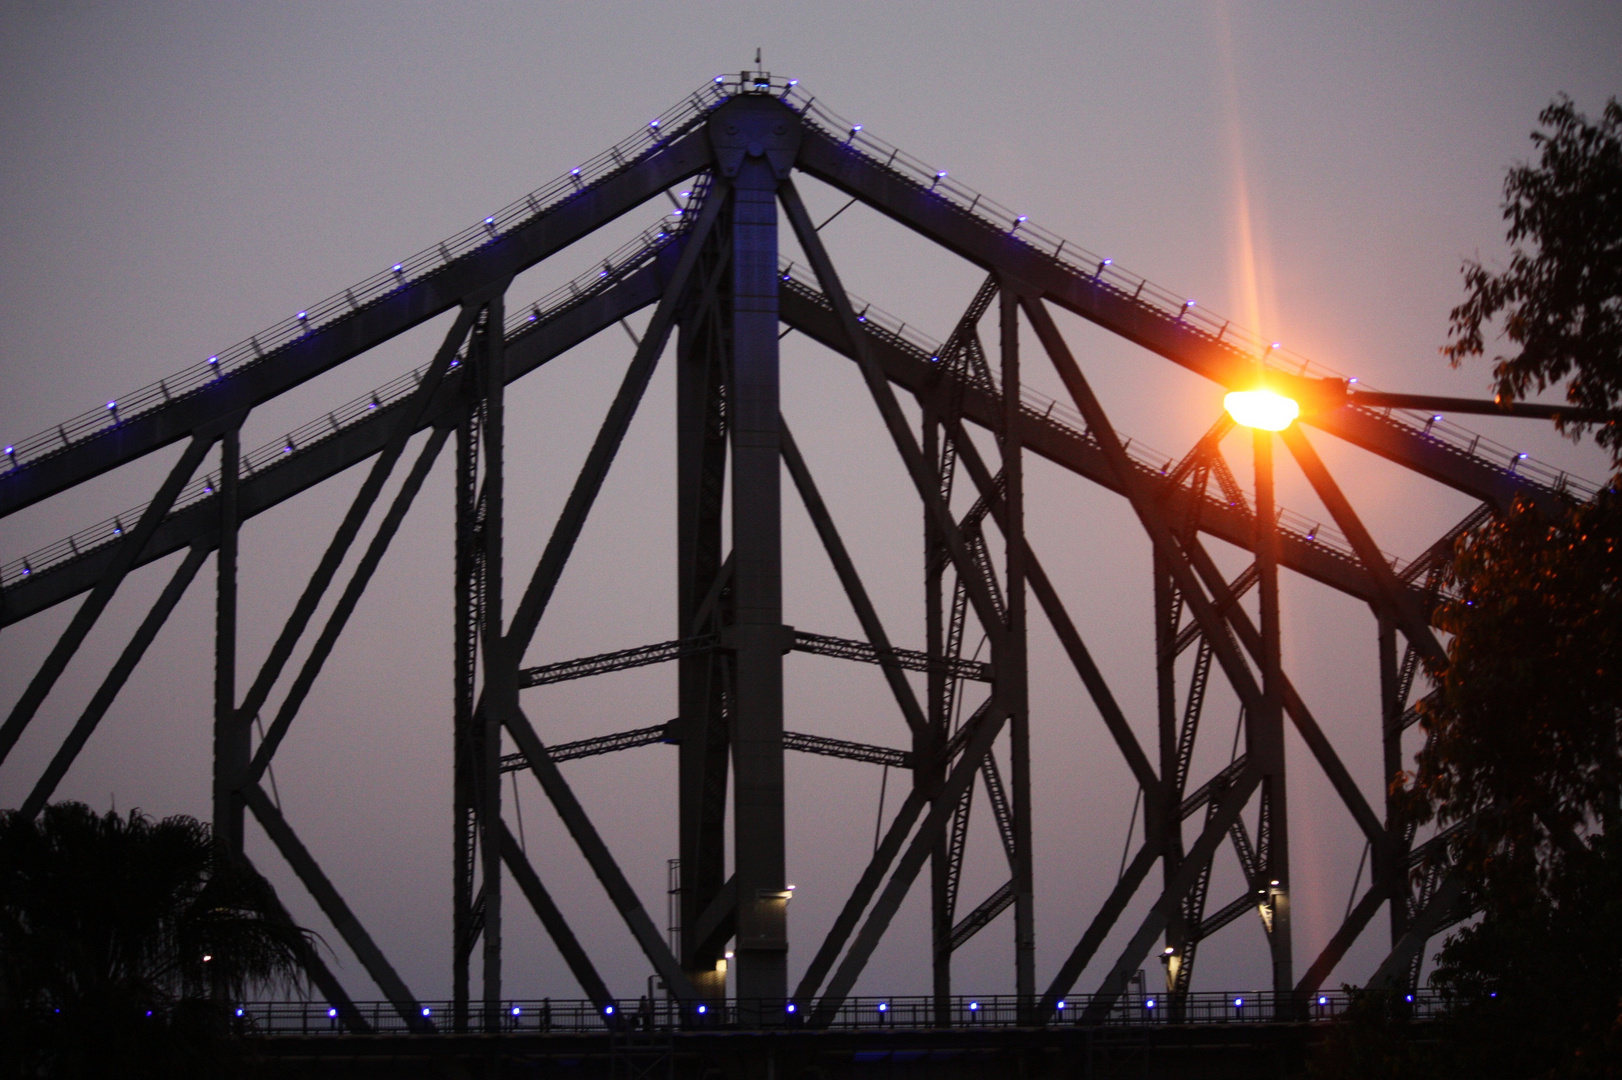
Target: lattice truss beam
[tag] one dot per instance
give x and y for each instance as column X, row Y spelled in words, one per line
column 714, row 282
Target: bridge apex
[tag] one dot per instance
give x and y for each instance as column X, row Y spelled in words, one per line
column 754, row 125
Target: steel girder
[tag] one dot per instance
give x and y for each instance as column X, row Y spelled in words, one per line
column 717, row 285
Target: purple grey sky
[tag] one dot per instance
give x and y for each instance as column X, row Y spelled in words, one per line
column 174, row 177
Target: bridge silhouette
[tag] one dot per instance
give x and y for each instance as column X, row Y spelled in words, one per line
column 710, row 271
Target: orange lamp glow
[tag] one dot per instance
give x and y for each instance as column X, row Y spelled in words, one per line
column 1262, row 409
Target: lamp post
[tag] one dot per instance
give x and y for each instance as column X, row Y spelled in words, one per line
column 1266, row 412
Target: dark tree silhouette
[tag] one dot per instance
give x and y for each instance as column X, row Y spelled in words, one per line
column 124, row 939
column 1521, row 757
column 1522, row 734
column 1560, row 299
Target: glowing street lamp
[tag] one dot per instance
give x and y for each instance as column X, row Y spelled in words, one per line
column 1263, row 410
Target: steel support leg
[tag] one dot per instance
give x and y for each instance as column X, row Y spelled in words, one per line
column 756, row 635
column 500, row 669
column 1170, row 818
column 468, row 618
column 927, row 778
column 1265, row 731
column 1009, row 660
column 231, row 732
column 1390, row 859
column 701, row 676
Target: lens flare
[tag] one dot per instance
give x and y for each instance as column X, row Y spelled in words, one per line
column 1261, row 409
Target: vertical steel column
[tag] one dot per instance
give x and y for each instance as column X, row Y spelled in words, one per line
column 468, row 620
column 1011, row 674
column 1389, row 858
column 1168, row 820
column 1265, row 734
column 929, row 772
column 231, row 732
column 500, row 669
column 757, row 636
column 700, row 489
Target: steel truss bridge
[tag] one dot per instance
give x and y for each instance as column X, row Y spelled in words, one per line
column 712, row 275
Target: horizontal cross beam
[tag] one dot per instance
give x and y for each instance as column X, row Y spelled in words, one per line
column 820, row 644
column 666, row 733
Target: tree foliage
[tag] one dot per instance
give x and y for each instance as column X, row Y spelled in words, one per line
column 123, row 939
column 1560, row 298
column 1522, row 733
column 1521, row 761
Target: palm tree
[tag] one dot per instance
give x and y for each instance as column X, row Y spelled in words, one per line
column 123, row 935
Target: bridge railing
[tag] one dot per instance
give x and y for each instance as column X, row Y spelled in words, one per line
column 1086, row 264
column 660, row 130
column 914, row 1013
column 628, row 258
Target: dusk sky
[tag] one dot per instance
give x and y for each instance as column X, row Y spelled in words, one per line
column 176, row 177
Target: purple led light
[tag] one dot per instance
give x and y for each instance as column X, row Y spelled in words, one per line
column 426, row 1011
column 1239, row 1003
column 1149, row 1004
column 112, row 406
column 517, row 1011
column 789, row 1007
column 398, row 269
column 331, row 1013
column 702, row 1009
column 1061, row 1006
column 884, row 1006
column 608, row 1010
column 303, row 315
column 974, row 1006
